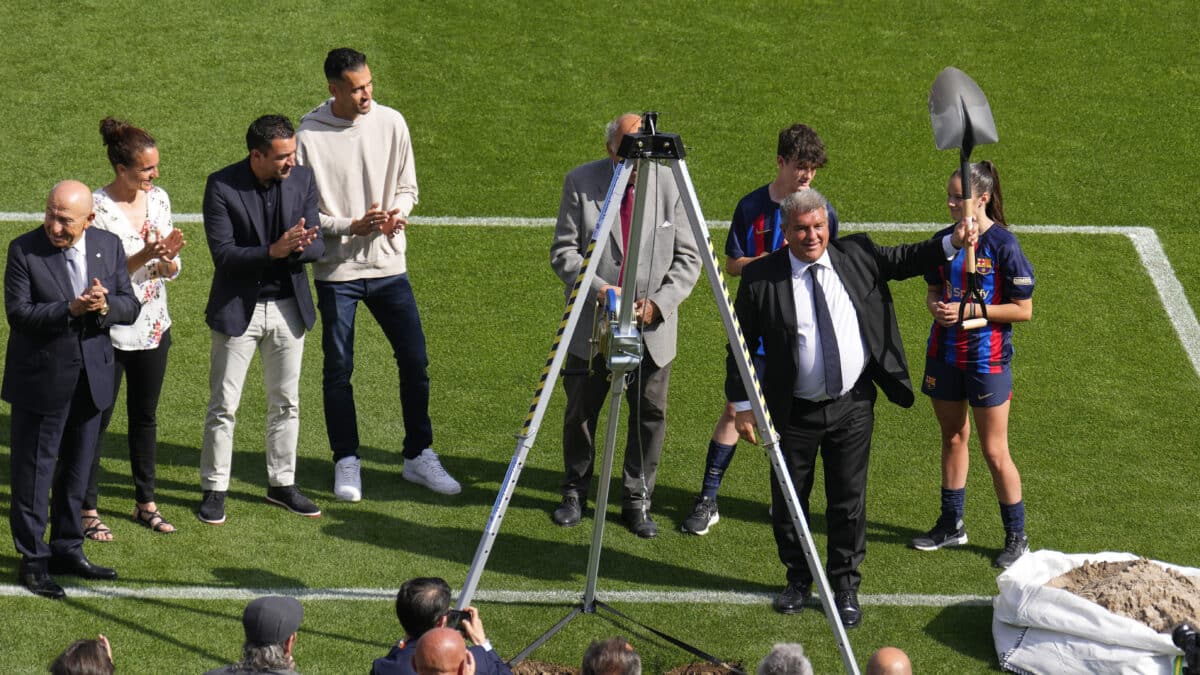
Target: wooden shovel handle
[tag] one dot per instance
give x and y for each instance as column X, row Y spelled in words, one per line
column 968, row 214
column 973, row 324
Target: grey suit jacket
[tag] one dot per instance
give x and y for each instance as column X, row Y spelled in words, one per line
column 669, row 261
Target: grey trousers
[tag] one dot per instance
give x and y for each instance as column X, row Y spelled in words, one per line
column 276, row 331
column 646, row 396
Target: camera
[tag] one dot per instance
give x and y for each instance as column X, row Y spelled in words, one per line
column 456, row 617
column 1187, row 639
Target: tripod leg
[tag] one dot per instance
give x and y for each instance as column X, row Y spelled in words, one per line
column 604, row 478
column 537, row 409
column 741, row 354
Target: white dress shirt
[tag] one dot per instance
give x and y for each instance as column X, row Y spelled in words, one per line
column 852, row 347
column 810, row 371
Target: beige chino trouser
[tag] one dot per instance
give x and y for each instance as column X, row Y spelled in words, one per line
column 276, row 331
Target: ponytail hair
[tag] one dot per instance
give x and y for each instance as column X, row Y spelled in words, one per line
column 124, row 141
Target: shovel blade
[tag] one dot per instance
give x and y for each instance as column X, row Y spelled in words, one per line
column 960, row 113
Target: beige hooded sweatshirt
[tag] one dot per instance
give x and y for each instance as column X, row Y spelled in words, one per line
column 356, row 163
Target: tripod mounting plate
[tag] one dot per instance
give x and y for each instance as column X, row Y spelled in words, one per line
column 650, row 144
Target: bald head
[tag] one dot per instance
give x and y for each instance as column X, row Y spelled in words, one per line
column 889, row 661
column 629, row 123
column 68, row 213
column 440, row 651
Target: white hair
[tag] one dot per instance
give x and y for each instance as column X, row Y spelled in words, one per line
column 786, row 658
column 801, row 202
column 612, row 139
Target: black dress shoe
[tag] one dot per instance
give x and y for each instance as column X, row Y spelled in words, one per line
column 639, row 523
column 78, row 565
column 848, row 609
column 568, row 513
column 38, row 581
column 793, row 598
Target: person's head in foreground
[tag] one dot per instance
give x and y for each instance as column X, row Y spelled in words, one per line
column 889, row 661
column 270, row 623
column 85, row 657
column 442, row 651
column 614, row 656
column 785, row 658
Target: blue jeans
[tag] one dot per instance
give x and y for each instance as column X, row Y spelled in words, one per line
column 390, row 300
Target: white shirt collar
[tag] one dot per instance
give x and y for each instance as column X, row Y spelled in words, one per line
column 799, row 267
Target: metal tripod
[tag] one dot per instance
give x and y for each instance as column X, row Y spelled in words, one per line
column 624, row 355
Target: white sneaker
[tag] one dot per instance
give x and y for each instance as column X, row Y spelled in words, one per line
column 426, row 469
column 347, row 482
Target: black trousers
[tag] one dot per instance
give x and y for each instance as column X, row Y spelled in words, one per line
column 646, row 396
column 49, row 465
column 145, row 370
column 840, row 430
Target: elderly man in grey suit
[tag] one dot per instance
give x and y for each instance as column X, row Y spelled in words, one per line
column 669, row 264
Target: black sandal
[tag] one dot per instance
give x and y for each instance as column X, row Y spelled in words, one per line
column 95, row 531
column 152, row 519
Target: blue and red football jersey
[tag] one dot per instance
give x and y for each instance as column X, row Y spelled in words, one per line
column 756, row 226
column 1005, row 274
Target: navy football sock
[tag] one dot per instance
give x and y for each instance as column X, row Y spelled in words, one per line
column 719, row 457
column 953, row 505
column 1013, row 516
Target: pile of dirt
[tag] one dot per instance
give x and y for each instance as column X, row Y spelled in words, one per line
column 541, row 668
column 1139, row 589
column 701, row 669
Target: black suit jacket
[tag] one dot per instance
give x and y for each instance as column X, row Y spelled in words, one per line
column 766, row 308
column 239, row 242
column 47, row 347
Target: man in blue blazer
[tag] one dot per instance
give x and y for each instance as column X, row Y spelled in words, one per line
column 262, row 226
column 58, row 376
column 824, row 312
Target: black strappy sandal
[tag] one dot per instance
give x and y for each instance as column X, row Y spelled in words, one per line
column 153, row 520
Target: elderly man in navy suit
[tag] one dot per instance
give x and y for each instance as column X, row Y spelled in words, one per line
column 58, row 376
column 262, row 225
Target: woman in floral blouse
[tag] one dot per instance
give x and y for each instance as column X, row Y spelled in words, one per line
column 138, row 212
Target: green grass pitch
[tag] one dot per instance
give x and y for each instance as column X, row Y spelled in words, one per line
column 1095, row 109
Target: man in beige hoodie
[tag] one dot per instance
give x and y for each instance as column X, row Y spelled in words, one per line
column 361, row 154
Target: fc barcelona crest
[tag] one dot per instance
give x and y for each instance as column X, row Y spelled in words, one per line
column 983, row 266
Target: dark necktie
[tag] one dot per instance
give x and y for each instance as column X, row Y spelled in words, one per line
column 75, row 270
column 829, row 347
column 626, row 221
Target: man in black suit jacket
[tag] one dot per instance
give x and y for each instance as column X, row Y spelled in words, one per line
column 262, row 226
column 825, row 315
column 58, row 376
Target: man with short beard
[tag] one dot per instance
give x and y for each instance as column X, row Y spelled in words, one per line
column 361, row 154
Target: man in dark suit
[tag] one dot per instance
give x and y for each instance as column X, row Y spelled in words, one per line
column 825, row 316
column 262, row 225
column 58, row 376
column 423, row 606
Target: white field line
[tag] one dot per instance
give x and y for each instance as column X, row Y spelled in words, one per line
column 493, row 596
column 1145, row 241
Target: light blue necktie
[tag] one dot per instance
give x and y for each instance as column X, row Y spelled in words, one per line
column 75, row 268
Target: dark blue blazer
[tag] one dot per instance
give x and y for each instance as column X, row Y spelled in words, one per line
column 239, row 242
column 766, row 308
column 47, row 347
